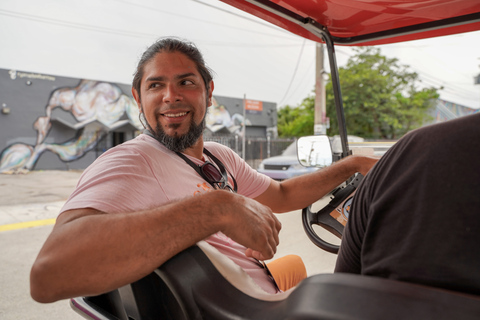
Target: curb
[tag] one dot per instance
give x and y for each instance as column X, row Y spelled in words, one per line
column 22, row 216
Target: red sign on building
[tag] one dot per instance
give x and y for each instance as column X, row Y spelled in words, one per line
column 253, row 106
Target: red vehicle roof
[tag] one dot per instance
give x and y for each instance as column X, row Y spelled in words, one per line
column 368, row 22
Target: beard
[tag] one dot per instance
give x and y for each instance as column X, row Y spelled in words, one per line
column 178, row 143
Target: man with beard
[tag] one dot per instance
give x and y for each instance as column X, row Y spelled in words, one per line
column 146, row 200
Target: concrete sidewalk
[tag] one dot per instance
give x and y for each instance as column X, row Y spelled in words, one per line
column 34, row 196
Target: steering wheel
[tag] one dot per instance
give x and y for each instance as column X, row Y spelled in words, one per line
column 333, row 216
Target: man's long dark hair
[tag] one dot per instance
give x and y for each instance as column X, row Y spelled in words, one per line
column 170, row 44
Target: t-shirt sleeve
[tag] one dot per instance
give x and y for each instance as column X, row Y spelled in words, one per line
column 121, row 180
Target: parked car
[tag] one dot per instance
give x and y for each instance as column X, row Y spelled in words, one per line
column 284, row 166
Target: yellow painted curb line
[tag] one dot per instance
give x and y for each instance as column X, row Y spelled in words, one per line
column 28, row 224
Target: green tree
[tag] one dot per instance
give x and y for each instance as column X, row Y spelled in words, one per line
column 380, row 97
column 298, row 121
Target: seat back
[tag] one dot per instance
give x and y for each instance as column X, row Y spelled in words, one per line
column 189, row 286
column 107, row 306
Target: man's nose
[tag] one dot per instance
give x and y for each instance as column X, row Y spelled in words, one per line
column 171, row 94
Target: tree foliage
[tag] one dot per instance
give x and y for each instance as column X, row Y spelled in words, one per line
column 296, row 122
column 380, row 98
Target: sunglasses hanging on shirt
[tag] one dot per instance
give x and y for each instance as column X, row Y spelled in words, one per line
column 218, row 179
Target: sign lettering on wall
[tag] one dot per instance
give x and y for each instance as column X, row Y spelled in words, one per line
column 253, row 106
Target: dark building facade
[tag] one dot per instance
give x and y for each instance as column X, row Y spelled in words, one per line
column 52, row 122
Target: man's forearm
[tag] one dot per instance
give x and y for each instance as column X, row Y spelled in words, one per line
column 299, row 192
column 97, row 252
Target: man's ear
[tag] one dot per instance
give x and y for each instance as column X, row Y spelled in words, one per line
column 210, row 93
column 136, row 96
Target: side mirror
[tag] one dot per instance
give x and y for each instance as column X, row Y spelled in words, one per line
column 314, row 151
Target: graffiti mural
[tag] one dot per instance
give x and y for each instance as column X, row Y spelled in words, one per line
column 98, row 108
column 52, row 122
column 219, row 119
column 445, row 110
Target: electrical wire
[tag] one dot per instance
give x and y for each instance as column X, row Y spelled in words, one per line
column 81, row 26
column 88, row 27
column 240, row 16
column 149, row 8
column 294, row 72
column 300, row 83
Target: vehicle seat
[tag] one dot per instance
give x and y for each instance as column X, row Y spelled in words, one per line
column 192, row 286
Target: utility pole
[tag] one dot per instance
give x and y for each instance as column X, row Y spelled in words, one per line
column 320, row 122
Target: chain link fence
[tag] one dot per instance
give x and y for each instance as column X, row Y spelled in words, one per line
column 256, row 149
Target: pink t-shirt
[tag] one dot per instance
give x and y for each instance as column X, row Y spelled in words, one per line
column 142, row 174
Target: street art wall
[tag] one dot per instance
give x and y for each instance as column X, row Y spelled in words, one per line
column 67, row 117
column 51, row 122
column 446, row 110
column 226, row 117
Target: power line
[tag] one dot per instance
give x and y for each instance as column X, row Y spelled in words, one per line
column 93, row 28
column 240, row 16
column 190, row 18
column 446, row 86
column 300, row 83
column 428, row 79
column 81, row 26
column 294, row 72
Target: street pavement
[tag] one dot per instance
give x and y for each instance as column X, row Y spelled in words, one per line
column 29, row 204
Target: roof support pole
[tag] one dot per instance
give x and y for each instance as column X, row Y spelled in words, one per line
column 321, row 31
column 337, row 92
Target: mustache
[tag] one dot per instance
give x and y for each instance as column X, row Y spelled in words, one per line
column 172, row 107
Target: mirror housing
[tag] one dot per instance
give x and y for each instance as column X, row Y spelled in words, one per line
column 314, row 151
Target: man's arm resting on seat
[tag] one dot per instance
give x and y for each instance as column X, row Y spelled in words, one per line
column 90, row 252
column 300, row 192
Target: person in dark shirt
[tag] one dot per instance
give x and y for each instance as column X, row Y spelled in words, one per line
column 416, row 215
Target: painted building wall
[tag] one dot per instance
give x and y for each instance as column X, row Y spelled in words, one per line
column 52, row 122
column 446, row 110
column 225, row 116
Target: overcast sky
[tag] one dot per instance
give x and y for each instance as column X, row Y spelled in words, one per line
column 103, row 40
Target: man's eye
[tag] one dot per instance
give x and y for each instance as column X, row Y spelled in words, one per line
column 154, row 85
column 187, row 82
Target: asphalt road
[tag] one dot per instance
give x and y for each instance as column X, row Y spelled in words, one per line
column 18, row 250
column 32, row 197
column 37, row 196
